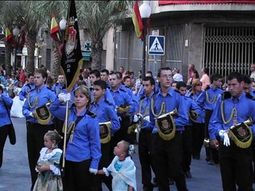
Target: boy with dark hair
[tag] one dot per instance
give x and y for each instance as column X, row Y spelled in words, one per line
column 34, row 108
column 29, row 86
column 105, row 113
column 144, row 140
column 191, row 107
column 229, row 117
column 207, row 100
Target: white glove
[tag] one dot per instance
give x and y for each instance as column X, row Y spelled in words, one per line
column 106, row 172
column 135, row 118
column 64, row 97
column 31, row 114
column 147, row 118
column 93, row 171
column 224, row 135
column 131, row 149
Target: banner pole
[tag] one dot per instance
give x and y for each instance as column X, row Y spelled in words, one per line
column 65, row 137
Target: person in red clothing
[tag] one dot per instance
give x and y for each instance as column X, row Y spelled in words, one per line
column 22, row 76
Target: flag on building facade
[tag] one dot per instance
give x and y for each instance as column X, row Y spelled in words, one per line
column 71, row 61
column 54, row 29
column 8, row 35
column 137, row 21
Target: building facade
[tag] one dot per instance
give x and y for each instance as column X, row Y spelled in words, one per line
column 216, row 34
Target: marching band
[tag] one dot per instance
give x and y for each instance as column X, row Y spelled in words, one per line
column 171, row 126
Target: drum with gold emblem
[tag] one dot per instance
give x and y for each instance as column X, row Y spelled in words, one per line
column 166, row 126
column 43, row 115
column 105, row 132
column 193, row 115
column 241, row 134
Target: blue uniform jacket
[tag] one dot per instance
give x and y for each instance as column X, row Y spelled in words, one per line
column 121, row 98
column 173, row 100
column 25, row 90
column 189, row 105
column 245, row 108
column 37, row 98
column 4, row 116
column 107, row 96
column 207, row 99
column 141, row 90
column 252, row 92
column 201, row 111
column 134, row 98
column 86, row 141
column 144, row 109
column 105, row 112
column 58, row 88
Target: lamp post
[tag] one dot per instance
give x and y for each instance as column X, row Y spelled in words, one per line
column 16, row 34
column 62, row 24
column 145, row 11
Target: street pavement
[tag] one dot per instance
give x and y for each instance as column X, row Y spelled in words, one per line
column 14, row 174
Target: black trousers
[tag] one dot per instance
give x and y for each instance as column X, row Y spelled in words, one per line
column 167, row 161
column 187, row 148
column 235, row 167
column 211, row 153
column 35, row 142
column 122, row 134
column 104, row 162
column 3, row 136
column 77, row 176
column 144, row 151
column 253, row 158
column 198, row 134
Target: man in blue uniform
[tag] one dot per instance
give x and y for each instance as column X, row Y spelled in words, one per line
column 5, row 120
column 126, row 86
column 94, row 75
column 144, row 141
column 127, row 82
column 59, row 86
column 248, row 86
column 167, row 134
column 250, row 90
column 29, row 86
column 105, row 112
column 207, row 100
column 36, row 126
column 104, row 75
column 227, row 125
column 124, row 107
column 193, row 109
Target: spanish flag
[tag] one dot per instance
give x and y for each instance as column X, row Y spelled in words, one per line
column 8, row 35
column 137, row 20
column 54, row 29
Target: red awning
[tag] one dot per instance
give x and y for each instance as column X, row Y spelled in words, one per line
column 170, row 2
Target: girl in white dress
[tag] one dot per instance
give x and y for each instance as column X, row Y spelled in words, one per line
column 48, row 165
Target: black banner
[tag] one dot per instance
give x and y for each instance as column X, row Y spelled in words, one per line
column 71, row 61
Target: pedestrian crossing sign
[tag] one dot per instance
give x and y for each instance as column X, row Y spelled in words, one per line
column 156, row 45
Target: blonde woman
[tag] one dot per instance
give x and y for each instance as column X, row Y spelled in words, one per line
column 83, row 150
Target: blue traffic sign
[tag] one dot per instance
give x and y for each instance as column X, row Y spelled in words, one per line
column 156, row 45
